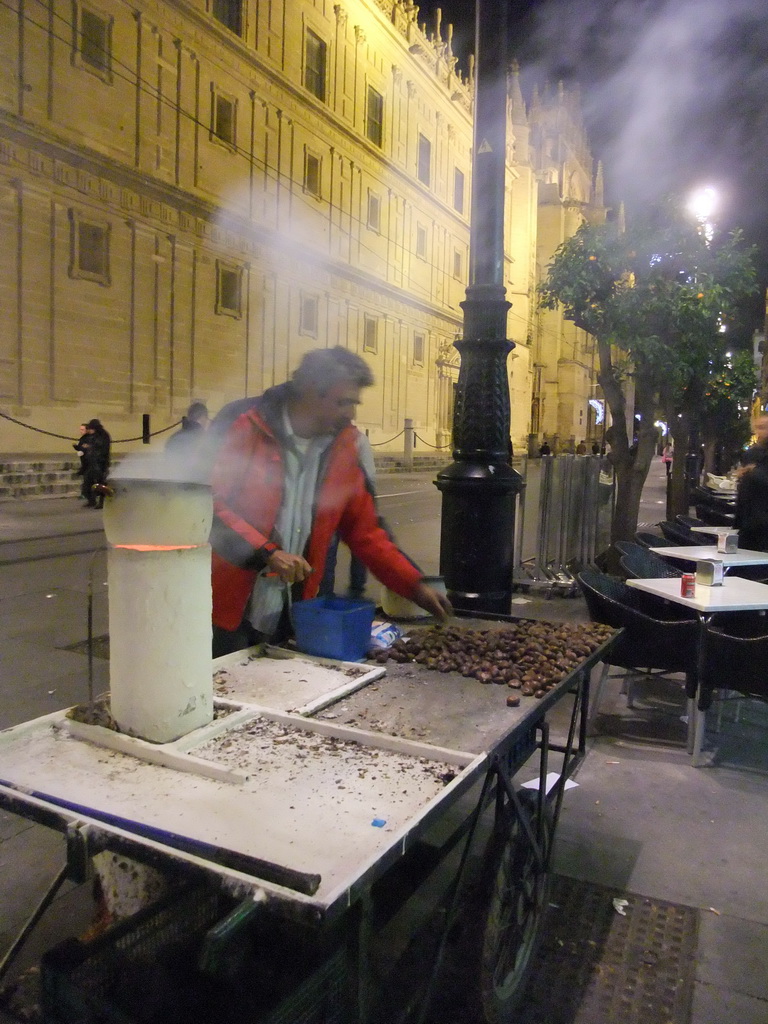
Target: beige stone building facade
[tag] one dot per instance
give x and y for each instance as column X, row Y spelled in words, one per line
column 193, row 193
column 564, row 359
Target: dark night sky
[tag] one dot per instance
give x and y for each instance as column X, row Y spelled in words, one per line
column 675, row 92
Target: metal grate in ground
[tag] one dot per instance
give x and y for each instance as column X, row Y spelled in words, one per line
column 597, row 966
column 100, row 647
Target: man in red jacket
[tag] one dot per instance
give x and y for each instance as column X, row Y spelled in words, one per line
column 286, row 478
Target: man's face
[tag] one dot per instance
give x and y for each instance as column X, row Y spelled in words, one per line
column 336, row 408
column 761, row 430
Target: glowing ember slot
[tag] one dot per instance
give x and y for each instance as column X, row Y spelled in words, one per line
column 157, row 547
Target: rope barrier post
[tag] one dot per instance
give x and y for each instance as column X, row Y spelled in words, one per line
column 145, row 431
column 408, row 444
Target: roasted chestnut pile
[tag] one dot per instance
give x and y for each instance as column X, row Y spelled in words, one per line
column 528, row 655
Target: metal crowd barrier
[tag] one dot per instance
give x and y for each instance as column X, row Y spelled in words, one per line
column 563, row 520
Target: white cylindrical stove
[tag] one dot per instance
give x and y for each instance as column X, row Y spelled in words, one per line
column 159, row 568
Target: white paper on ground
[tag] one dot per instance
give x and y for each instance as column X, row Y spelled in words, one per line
column 552, row 778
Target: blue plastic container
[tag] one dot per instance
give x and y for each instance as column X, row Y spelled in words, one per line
column 334, row 627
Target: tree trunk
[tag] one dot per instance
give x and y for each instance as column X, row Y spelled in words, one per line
column 632, row 470
column 710, row 450
column 680, row 498
column 630, row 464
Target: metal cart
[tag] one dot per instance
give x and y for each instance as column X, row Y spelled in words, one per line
column 330, row 860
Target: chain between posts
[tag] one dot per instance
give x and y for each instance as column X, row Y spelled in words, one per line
column 66, row 437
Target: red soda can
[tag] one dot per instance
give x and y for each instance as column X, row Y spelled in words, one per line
column 688, row 585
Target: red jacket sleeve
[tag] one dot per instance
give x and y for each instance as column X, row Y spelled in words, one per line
column 359, row 528
column 243, row 467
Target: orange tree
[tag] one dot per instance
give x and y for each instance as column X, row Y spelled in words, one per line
column 726, row 407
column 653, row 298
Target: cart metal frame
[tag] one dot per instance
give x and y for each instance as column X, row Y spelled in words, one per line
column 515, row 820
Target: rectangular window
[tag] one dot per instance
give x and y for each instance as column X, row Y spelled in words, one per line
column 312, row 173
column 370, row 334
column 93, row 40
column 89, row 249
column 374, row 123
column 374, row 212
column 229, row 283
column 224, row 119
column 315, row 53
column 458, row 190
column 308, row 315
column 229, row 13
column 421, row 241
column 418, row 349
column 425, row 159
column 458, row 264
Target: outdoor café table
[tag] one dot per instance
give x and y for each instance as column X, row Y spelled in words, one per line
column 709, row 552
column 717, row 530
column 732, row 595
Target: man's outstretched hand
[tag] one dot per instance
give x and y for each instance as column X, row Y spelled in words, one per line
column 432, row 601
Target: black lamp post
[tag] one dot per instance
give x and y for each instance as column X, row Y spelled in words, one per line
column 479, row 487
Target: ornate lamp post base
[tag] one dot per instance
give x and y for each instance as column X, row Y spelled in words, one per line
column 476, row 540
column 479, row 488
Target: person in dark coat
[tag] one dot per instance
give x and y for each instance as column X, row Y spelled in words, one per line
column 96, row 446
column 186, row 450
column 193, row 426
column 752, row 492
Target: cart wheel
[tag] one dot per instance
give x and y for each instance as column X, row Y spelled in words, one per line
column 516, row 893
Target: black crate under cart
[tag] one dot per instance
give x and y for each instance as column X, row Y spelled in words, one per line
column 324, row 888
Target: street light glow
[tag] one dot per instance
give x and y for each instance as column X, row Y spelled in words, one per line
column 702, row 204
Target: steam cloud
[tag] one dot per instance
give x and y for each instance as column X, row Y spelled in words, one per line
column 674, row 91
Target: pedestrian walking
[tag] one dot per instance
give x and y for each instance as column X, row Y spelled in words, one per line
column 96, row 447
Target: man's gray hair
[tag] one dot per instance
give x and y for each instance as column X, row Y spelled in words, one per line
column 323, row 368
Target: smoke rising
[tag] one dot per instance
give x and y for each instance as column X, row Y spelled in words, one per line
column 674, row 91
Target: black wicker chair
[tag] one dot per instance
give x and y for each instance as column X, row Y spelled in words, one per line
column 689, row 521
column 657, row 634
column 734, row 662
column 653, row 540
column 735, row 657
column 679, row 534
column 713, row 508
column 623, row 546
column 640, row 563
